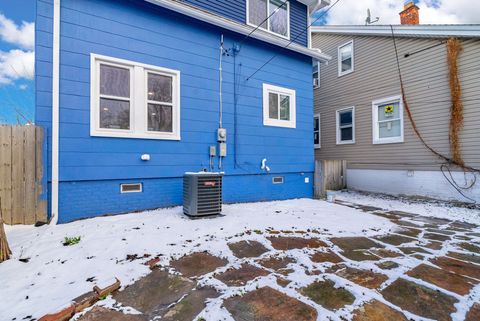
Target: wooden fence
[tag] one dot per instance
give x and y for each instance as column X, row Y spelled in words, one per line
column 21, row 172
column 330, row 175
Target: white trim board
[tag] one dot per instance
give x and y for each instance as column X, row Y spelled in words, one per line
column 412, row 183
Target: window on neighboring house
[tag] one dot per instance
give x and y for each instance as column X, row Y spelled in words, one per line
column 388, row 120
column 279, row 106
column 316, row 131
column 134, row 100
column 346, row 126
column 345, row 59
column 277, row 11
column 316, row 74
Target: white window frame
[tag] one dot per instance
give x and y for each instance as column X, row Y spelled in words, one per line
column 319, row 145
column 315, row 86
column 375, row 127
column 339, row 58
column 138, row 99
column 337, row 126
column 268, row 20
column 267, row 121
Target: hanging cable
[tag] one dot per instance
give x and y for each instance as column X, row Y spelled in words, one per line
column 295, row 38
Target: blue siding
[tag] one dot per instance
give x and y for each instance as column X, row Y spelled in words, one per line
column 146, row 33
column 237, row 10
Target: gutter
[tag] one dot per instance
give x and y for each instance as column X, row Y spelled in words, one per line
column 55, row 110
column 238, row 27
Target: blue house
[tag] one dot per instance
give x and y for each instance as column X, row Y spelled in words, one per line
column 131, row 95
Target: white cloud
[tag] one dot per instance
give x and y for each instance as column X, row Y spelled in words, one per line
column 21, row 35
column 354, row 12
column 16, row 64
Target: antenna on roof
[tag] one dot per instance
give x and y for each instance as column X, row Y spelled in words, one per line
column 369, row 21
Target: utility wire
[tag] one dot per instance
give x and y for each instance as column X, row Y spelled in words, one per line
column 295, row 38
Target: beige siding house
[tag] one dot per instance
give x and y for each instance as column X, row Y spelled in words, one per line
column 362, row 117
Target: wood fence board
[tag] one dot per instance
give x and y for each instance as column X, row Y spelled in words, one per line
column 6, row 173
column 329, row 175
column 18, row 179
column 29, row 175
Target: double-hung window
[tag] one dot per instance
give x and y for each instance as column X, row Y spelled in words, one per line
column 270, row 15
column 134, row 100
column 346, row 61
column 316, row 74
column 387, row 120
column 316, row 131
column 279, row 106
column 346, row 126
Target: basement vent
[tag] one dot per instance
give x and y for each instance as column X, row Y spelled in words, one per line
column 277, row 180
column 202, row 194
column 131, row 188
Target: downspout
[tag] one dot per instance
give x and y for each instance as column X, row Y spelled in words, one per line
column 55, row 110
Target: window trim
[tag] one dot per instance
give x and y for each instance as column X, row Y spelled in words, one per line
column 376, row 140
column 340, row 73
column 337, row 126
column 268, row 21
column 319, row 145
column 318, row 77
column 267, row 121
column 138, row 99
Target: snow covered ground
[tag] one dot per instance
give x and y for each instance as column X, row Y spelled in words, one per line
column 422, row 207
column 56, row 274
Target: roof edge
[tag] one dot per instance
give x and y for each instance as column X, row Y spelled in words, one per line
column 427, row 31
column 239, row 28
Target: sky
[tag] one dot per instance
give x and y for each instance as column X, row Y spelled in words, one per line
column 17, row 96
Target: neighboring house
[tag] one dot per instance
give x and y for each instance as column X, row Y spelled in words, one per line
column 128, row 91
column 360, row 115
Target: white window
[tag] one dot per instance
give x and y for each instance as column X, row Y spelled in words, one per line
column 279, row 106
column 316, row 131
column 388, row 120
column 134, row 100
column 316, row 74
column 346, row 126
column 279, row 12
column 346, row 59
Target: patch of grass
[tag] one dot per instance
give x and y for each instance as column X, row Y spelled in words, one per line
column 68, row 241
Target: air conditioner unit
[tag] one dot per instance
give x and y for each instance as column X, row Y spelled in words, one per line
column 202, row 194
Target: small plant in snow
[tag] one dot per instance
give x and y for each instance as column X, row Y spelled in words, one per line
column 201, row 319
column 68, row 241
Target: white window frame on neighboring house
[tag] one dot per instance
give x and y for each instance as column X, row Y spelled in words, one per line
column 138, row 99
column 338, row 127
column 267, row 121
column 268, row 20
column 339, row 58
column 375, row 121
column 315, row 117
column 316, row 80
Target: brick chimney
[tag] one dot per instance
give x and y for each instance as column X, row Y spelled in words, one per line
column 410, row 14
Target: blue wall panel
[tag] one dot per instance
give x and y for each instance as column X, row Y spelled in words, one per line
column 141, row 32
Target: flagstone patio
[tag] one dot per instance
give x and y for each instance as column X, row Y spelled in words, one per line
column 424, row 269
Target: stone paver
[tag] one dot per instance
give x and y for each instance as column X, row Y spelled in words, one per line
column 267, row 304
column 433, row 245
column 446, row 280
column 384, row 253
column 360, row 255
column 420, row 300
column 470, row 247
column 245, row 249
column 355, row 243
column 290, row 243
column 465, row 257
column 278, row 264
column 367, row 279
column 191, row 305
column 458, row 267
column 387, row 265
column 412, row 232
column 327, row 295
column 240, row 277
column 321, row 257
column 436, row 237
column 394, row 239
column 198, row 264
column 438, row 231
column 413, row 250
column 153, row 294
column 377, row 311
column 103, row 314
column 474, row 313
